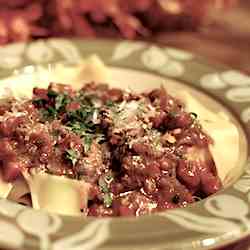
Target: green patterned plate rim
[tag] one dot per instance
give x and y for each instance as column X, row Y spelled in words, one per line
column 213, row 222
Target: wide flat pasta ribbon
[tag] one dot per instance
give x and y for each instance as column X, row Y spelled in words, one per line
column 57, row 194
column 225, row 149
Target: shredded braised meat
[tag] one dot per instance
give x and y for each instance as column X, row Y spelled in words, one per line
column 140, row 153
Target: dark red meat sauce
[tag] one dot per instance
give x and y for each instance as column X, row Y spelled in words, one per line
column 140, row 153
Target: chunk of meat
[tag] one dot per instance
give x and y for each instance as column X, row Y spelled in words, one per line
column 189, row 173
column 92, row 165
column 8, row 127
column 134, row 203
column 100, row 211
column 172, row 192
column 61, row 88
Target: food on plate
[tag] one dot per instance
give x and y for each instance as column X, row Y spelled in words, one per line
column 104, row 151
column 95, row 150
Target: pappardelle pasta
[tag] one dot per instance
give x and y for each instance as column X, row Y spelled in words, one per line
column 102, row 151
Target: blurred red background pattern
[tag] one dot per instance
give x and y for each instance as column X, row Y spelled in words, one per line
column 22, row 20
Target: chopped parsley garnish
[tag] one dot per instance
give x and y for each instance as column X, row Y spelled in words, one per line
column 107, row 200
column 78, row 128
column 83, row 115
column 61, row 101
column 80, row 121
column 72, row 155
column 109, row 177
column 49, row 113
column 52, row 111
column 39, row 102
column 103, row 185
column 141, row 108
column 88, row 139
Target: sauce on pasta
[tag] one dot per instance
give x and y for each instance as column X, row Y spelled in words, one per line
column 135, row 153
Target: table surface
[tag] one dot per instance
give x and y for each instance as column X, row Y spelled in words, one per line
column 227, row 41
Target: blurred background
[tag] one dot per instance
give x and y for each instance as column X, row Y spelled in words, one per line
column 218, row 29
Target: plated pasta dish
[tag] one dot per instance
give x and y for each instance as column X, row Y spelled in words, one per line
column 104, row 151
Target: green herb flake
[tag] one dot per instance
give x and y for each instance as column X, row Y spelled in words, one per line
column 109, row 177
column 76, row 127
column 39, row 102
column 84, row 115
column 61, row 101
column 103, row 185
column 141, row 108
column 88, row 139
column 49, row 113
column 72, row 155
column 81, row 122
column 107, row 200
